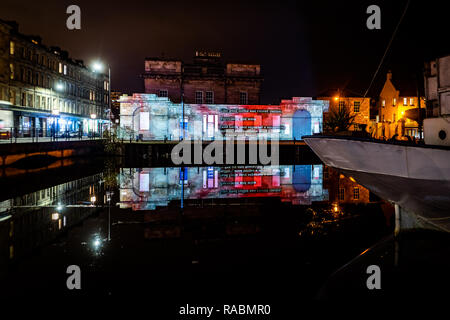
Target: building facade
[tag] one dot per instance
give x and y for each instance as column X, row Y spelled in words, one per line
column 358, row 107
column 205, row 81
column 43, row 91
column 396, row 103
column 157, row 118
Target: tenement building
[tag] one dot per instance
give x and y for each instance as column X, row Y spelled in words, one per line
column 207, row 80
column 43, row 91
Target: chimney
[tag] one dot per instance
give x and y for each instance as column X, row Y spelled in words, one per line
column 389, row 75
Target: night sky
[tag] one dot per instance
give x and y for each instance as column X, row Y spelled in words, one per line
column 304, row 47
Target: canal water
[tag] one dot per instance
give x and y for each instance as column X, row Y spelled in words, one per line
column 241, row 234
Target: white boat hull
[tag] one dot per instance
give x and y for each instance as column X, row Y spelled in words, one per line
column 417, row 178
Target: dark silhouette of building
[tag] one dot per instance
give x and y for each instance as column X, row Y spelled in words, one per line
column 207, row 80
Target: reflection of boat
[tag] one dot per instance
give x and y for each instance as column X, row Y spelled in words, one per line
column 415, row 177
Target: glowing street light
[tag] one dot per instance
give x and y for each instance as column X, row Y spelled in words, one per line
column 97, row 66
column 93, row 116
column 59, row 86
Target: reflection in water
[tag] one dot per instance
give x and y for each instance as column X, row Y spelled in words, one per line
column 148, row 188
column 31, row 220
column 232, row 216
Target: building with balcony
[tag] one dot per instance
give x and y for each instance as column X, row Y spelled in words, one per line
column 207, row 80
column 43, row 91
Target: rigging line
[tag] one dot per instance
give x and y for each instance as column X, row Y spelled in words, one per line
column 387, row 49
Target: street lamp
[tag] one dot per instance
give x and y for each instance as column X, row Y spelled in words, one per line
column 59, row 86
column 97, row 66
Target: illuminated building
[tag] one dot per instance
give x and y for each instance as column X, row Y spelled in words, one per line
column 208, row 80
column 43, row 90
column 355, row 104
column 396, row 98
column 157, row 118
column 115, row 106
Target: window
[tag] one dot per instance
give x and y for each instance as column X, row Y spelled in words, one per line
column 209, row 97
column 11, row 48
column 405, row 101
column 163, row 93
column 198, row 97
column 356, row 127
column 341, row 105
column 394, row 102
column 356, row 106
column 393, row 117
column 356, row 193
column 11, row 71
column 12, row 96
column 341, row 194
column 383, row 103
column 60, row 68
column 243, row 98
column 65, row 69
column 411, row 101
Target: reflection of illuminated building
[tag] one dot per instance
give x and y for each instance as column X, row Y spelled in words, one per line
column 33, row 219
column 146, row 189
column 344, row 189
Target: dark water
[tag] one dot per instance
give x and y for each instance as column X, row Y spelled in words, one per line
column 249, row 234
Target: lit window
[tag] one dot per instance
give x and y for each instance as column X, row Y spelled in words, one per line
column 405, row 101
column 411, row 101
column 11, row 71
column 198, row 97
column 163, row 93
column 11, row 47
column 394, row 102
column 341, row 105
column 209, row 97
column 383, row 103
column 356, row 106
column 60, row 68
column 65, row 69
column 243, row 98
column 356, row 193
